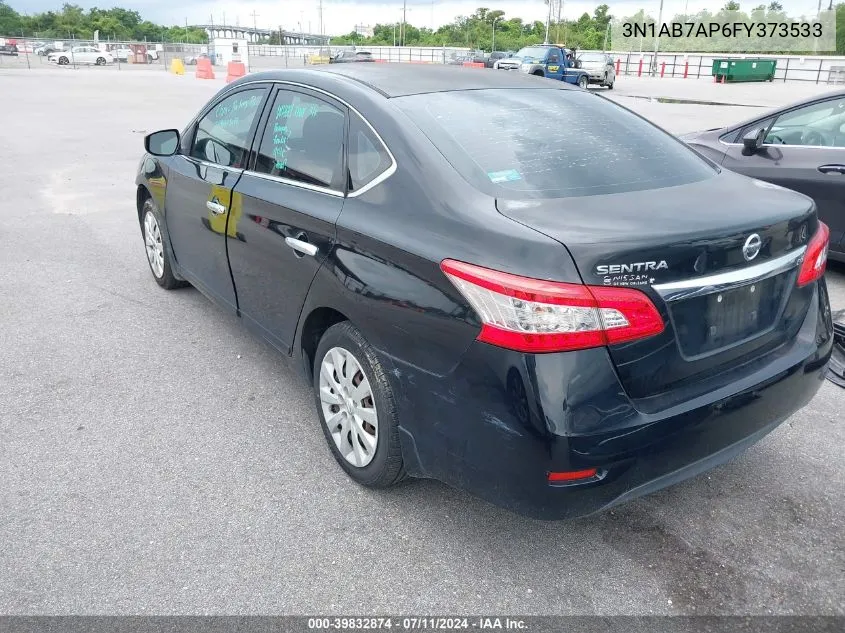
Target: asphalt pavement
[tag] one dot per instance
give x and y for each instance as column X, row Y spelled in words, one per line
column 155, row 458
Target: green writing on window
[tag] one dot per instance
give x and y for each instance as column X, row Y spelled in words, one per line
column 243, row 104
column 296, row 111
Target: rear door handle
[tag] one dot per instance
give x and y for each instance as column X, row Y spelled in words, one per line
column 826, row 169
column 215, row 207
column 301, row 247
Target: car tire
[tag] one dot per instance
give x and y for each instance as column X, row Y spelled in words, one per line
column 610, row 85
column 158, row 256
column 101, row 61
column 366, row 447
column 63, row 61
column 583, row 82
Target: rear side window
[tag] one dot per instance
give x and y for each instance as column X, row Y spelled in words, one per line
column 368, row 158
column 551, row 143
column 303, row 141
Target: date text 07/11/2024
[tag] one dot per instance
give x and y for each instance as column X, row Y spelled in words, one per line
column 726, row 29
column 416, row 623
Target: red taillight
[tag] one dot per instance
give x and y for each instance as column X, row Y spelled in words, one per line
column 533, row 315
column 573, row 475
column 815, row 259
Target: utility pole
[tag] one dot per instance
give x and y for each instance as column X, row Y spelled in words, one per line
column 657, row 38
column 320, row 15
column 548, row 21
column 254, row 21
column 404, row 15
column 559, row 12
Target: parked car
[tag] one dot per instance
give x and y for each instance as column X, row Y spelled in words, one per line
column 46, row 49
column 599, row 67
column 123, row 53
column 460, row 60
column 81, row 55
column 555, row 322
column 494, row 57
column 800, row 147
column 9, row 49
column 345, row 57
column 191, row 60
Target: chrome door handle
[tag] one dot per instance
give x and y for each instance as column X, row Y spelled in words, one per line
column 302, row 247
column 825, row 169
column 215, row 207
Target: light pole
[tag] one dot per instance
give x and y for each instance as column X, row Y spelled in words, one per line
column 657, row 38
column 493, row 45
column 548, row 21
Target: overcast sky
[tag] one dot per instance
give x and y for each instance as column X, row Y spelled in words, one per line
column 341, row 16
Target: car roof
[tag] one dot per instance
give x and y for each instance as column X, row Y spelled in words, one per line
column 399, row 80
column 765, row 113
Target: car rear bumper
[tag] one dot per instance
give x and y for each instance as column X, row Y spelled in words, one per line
column 501, row 421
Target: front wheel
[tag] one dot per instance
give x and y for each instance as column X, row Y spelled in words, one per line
column 63, row 61
column 101, row 61
column 583, row 82
column 356, row 407
column 158, row 256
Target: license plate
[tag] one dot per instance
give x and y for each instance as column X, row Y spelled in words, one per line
column 719, row 320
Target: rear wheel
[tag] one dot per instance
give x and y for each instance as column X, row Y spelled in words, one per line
column 101, row 61
column 356, row 406
column 538, row 73
column 583, row 82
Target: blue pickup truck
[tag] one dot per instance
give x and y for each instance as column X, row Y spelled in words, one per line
column 546, row 60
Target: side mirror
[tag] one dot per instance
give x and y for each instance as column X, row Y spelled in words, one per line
column 162, row 143
column 752, row 141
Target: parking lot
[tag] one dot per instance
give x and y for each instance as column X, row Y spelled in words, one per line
column 157, row 459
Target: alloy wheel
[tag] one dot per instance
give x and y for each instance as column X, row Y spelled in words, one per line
column 155, row 248
column 348, row 405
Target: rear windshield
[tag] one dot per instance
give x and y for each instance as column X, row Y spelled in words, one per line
column 550, row 143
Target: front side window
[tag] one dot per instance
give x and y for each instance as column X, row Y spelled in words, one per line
column 224, row 134
column 303, row 140
column 368, row 158
column 818, row 124
column 590, row 146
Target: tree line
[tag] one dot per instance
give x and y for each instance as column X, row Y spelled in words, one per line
column 73, row 22
column 477, row 31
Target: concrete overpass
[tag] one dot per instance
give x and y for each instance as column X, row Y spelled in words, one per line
column 253, row 35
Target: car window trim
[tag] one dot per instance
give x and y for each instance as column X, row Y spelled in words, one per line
column 775, row 116
column 264, row 122
column 253, row 127
column 387, row 173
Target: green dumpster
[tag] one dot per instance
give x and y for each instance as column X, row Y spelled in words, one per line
column 737, row 70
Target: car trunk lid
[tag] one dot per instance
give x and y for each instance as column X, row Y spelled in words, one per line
column 718, row 257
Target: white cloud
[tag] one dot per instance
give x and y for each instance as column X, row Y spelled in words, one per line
column 341, row 16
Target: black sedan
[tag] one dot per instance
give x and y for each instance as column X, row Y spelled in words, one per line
column 801, row 146
column 557, row 323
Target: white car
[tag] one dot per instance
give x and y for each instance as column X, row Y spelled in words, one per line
column 81, row 55
column 122, row 54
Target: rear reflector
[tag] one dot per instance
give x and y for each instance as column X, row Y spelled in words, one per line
column 815, row 259
column 534, row 315
column 573, row 475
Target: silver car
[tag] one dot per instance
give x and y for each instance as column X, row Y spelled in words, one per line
column 600, row 68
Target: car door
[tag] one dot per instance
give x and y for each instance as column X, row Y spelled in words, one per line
column 804, row 150
column 85, row 55
column 200, row 210
column 555, row 64
column 291, row 198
